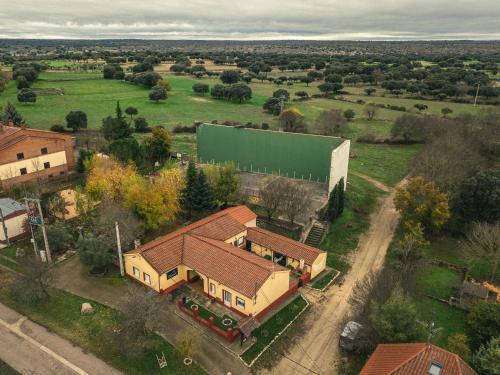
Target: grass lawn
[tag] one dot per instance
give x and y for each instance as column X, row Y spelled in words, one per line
column 7, row 263
column 323, row 280
column 343, row 236
column 5, row 369
column 61, row 315
column 205, row 314
column 267, row 331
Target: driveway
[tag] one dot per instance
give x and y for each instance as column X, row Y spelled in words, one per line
column 30, row 349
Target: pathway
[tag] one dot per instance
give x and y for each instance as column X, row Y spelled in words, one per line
column 318, row 348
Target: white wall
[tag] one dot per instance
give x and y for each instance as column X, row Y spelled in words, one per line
column 339, row 164
column 11, row 170
column 14, row 226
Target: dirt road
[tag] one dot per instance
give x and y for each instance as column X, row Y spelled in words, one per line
column 318, row 347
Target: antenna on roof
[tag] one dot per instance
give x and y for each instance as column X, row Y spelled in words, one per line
column 431, row 329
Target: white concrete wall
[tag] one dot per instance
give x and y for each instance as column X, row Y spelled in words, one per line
column 32, row 165
column 14, row 226
column 339, row 164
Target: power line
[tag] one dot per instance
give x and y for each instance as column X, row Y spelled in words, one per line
column 297, row 363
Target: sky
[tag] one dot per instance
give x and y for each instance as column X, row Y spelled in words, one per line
column 251, row 19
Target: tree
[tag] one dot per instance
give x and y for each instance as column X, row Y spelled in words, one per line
column 187, row 342
column 157, row 93
column 113, row 71
column 302, row 95
column 141, row 125
column 483, row 242
column 140, row 310
column 272, row 105
column 479, row 199
column 296, row 199
column 116, row 127
column 126, row 150
column 330, row 88
column 482, row 324
column 396, row 320
column 76, row 120
column 22, row 83
column 201, row 88
column 421, row 107
column 370, row 90
column 203, row 195
column 446, row 111
column 10, row 114
column 32, row 287
column 292, row 120
column 349, row 114
column 370, row 111
column 188, row 191
column 93, row 254
column 239, row 92
column 272, row 195
column 59, row 237
column 487, row 358
column 420, row 201
column 282, row 93
column 26, row 96
column 331, row 122
column 157, row 147
column 410, row 128
column 131, row 111
column 409, row 249
column 458, row 343
column 164, row 84
column 3, row 81
column 230, row 76
column 336, row 201
column 225, row 182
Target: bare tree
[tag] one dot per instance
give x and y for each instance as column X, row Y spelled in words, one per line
column 188, row 342
column 331, row 122
column 296, row 199
column 33, row 285
column 483, row 242
column 272, row 194
column 370, row 110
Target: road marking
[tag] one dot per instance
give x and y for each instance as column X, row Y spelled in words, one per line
column 15, row 328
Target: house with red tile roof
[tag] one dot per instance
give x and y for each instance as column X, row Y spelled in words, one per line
column 30, row 154
column 415, row 359
column 227, row 258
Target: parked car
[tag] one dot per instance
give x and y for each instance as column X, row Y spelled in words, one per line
column 348, row 337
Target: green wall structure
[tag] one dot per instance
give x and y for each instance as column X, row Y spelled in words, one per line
column 301, row 156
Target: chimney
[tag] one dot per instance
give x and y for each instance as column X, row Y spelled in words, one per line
column 11, row 124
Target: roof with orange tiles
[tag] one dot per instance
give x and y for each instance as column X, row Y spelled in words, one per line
column 10, row 135
column 238, row 215
column 283, row 245
column 414, row 359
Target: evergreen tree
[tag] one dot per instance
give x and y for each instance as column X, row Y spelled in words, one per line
column 188, row 192
column 341, row 196
column 116, row 127
column 204, row 198
column 118, row 111
column 333, row 201
column 10, row 114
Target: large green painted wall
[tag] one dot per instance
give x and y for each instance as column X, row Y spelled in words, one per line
column 293, row 155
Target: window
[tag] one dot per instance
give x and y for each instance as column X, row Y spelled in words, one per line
column 44, row 151
column 61, row 173
column 240, row 302
column 435, row 368
column 235, row 243
column 20, row 156
column 23, row 171
column 248, row 245
column 172, row 273
column 147, row 278
column 137, row 273
column 46, row 165
column 213, row 289
column 240, row 240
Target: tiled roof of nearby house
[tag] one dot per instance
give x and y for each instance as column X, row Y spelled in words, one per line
column 9, row 206
column 414, row 359
column 293, row 249
column 10, row 135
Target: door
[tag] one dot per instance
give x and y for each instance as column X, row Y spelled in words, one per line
column 227, row 298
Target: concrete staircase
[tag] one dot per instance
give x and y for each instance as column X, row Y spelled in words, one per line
column 316, row 234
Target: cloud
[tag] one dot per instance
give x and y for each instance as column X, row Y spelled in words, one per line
column 256, row 19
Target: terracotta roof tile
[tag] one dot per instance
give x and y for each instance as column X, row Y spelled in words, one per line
column 221, row 228
column 413, row 359
column 286, row 246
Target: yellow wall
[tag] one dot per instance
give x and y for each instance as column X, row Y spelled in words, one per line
column 274, row 287
column 261, row 250
column 239, row 235
column 32, row 165
column 318, row 266
column 136, row 260
column 181, row 275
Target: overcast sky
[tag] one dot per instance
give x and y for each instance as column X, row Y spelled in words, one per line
column 251, row 19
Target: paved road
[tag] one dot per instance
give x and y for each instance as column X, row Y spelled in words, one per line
column 31, row 349
column 317, row 350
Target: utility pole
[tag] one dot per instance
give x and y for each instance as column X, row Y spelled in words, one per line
column 33, row 241
column 42, row 224
column 477, row 94
column 282, row 103
column 119, row 246
column 7, row 240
